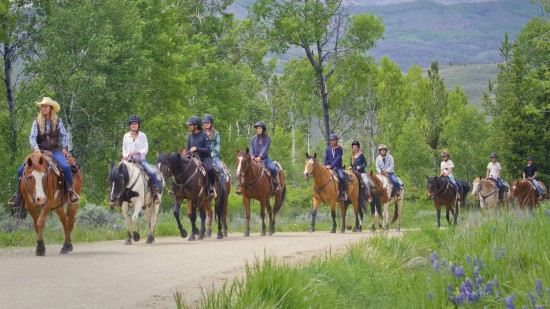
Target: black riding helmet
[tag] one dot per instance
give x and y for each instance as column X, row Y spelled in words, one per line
column 208, row 118
column 356, row 143
column 493, row 155
column 333, row 137
column 134, row 118
column 262, row 125
column 195, row 120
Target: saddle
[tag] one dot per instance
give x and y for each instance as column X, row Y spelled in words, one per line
column 145, row 175
column 505, row 184
column 348, row 174
column 56, row 168
column 224, row 172
column 198, row 162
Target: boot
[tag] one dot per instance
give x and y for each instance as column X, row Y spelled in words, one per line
column 73, row 197
column 276, row 184
column 501, row 195
column 343, row 193
column 156, row 199
column 16, row 201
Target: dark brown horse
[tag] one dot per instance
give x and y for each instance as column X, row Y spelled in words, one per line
column 256, row 184
column 526, row 193
column 443, row 192
column 210, row 213
column 41, row 190
column 189, row 183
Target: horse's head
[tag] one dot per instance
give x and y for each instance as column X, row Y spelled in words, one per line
column 476, row 186
column 118, row 178
column 310, row 165
column 243, row 162
column 35, row 178
column 516, row 187
column 432, row 186
column 165, row 162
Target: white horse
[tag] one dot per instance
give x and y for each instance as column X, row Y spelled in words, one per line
column 386, row 194
column 129, row 189
column 488, row 194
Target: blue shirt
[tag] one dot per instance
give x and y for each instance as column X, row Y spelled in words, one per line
column 259, row 146
column 199, row 141
column 333, row 157
column 34, row 133
column 360, row 161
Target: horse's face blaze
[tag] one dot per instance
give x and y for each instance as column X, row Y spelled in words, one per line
column 308, row 169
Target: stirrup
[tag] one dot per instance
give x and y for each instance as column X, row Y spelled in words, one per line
column 76, row 199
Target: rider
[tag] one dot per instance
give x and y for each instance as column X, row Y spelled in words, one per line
column 46, row 130
column 384, row 166
column 333, row 160
column 530, row 173
column 447, row 168
column 259, row 150
column 214, row 137
column 199, row 143
column 493, row 172
column 358, row 162
column 135, row 148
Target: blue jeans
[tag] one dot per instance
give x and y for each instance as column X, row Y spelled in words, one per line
column 219, row 164
column 395, row 181
column 453, row 181
column 499, row 184
column 60, row 158
column 152, row 173
column 539, row 188
column 271, row 166
column 341, row 176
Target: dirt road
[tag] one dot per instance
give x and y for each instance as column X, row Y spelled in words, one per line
column 112, row 275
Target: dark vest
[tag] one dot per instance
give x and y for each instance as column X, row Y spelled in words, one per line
column 48, row 141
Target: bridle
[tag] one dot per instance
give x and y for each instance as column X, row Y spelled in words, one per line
column 320, row 188
column 45, row 178
column 249, row 185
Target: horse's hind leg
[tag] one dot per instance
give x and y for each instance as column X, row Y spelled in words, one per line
column 152, row 220
column 271, row 216
column 192, row 215
column 343, row 208
column 262, row 215
column 246, row 202
column 333, row 215
column 176, row 211
column 65, row 222
column 202, row 213
column 135, row 218
column 448, row 209
column 209, row 217
column 438, row 210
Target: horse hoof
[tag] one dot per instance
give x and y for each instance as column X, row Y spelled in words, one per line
column 191, row 238
column 128, row 242
column 220, row 235
column 208, row 234
column 137, row 237
column 201, row 237
column 70, row 247
column 342, row 231
column 272, row 230
column 373, row 228
column 311, row 229
column 333, row 231
column 150, row 240
column 247, row 234
column 262, row 233
column 355, row 229
column 40, row 248
column 224, row 234
column 183, row 233
column 64, row 249
column 360, row 228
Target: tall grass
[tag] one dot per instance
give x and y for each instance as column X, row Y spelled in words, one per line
column 500, row 261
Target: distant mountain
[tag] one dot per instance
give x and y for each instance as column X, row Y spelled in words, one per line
column 449, row 31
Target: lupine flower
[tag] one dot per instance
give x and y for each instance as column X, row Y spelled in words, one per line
column 533, row 299
column 539, row 307
column 468, row 259
column 538, row 288
column 443, row 262
column 476, row 272
column 495, row 252
column 509, row 302
column 436, row 265
column 475, row 260
column 494, row 229
column 479, row 281
column 459, row 272
column 430, row 295
column 480, row 263
column 451, row 298
column 503, row 251
column 548, row 213
column 432, row 260
column 489, row 288
column 459, row 299
column 452, row 267
column 449, row 288
column 435, row 255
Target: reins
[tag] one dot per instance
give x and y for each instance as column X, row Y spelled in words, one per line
column 250, row 185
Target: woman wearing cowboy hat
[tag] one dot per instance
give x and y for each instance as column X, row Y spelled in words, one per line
column 47, row 128
column 385, row 165
column 135, row 147
column 333, row 161
column 493, row 172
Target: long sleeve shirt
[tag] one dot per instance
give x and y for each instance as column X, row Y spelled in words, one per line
column 33, row 138
column 215, row 144
column 201, row 142
column 333, row 157
column 360, row 161
column 140, row 144
column 384, row 164
column 259, row 147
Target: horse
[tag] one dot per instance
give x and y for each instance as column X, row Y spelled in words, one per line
column 443, row 192
column 325, row 189
column 42, row 188
column 189, row 183
column 129, row 188
column 488, row 194
column 385, row 191
column 255, row 183
column 224, row 203
column 525, row 193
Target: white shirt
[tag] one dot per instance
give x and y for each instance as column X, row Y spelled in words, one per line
column 384, row 164
column 130, row 145
column 493, row 169
column 446, row 167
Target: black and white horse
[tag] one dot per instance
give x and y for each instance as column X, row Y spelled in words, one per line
column 129, row 189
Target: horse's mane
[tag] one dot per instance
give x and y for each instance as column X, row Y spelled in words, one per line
column 117, row 170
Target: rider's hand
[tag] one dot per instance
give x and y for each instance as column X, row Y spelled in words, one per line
column 258, row 159
column 327, row 166
column 184, row 152
column 36, row 151
column 65, row 153
column 193, row 149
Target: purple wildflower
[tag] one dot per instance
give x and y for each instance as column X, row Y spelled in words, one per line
column 449, row 288
column 495, row 252
column 459, row 272
column 468, row 259
column 430, row 295
column 432, row 260
column 548, row 213
column 479, row 281
column 538, row 288
column 503, row 251
column 451, row 298
column 533, row 299
column 489, row 288
column 435, row 255
column 459, row 299
column 509, row 302
column 539, row 307
column 452, row 267
column 475, row 260
column 443, row 262
column 476, row 272
column 436, row 265
column 494, row 229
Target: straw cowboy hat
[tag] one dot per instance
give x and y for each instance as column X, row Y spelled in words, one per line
column 50, row 102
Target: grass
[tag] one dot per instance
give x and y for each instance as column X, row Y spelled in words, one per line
column 496, row 262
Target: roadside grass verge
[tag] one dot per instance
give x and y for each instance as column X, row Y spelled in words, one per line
column 500, row 261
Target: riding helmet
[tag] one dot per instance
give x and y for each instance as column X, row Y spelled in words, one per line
column 208, row 118
column 382, row 146
column 445, row 153
column 134, row 118
column 260, row 124
column 333, row 137
column 493, row 155
column 195, row 120
column 530, row 158
column 356, row 143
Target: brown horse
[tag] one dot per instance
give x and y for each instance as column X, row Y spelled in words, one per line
column 526, row 193
column 210, row 213
column 325, row 189
column 443, row 192
column 41, row 190
column 255, row 184
column 387, row 194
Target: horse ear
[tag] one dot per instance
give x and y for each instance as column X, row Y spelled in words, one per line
column 307, row 155
column 315, row 155
column 111, row 165
column 237, row 149
column 29, row 161
column 247, row 150
column 41, row 160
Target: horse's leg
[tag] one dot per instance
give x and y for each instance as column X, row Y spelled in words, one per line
column 202, row 213
column 226, row 207
column 360, row 213
column 65, row 222
column 333, row 215
column 438, row 210
column 246, row 203
column 135, row 218
column 271, row 216
column 192, row 215
column 262, row 215
column 356, row 212
column 209, row 215
column 316, row 203
column 373, row 214
column 456, row 210
column 176, row 211
column 154, row 211
column 386, row 220
column 447, row 211
column 343, row 208
column 124, row 208
column 399, row 210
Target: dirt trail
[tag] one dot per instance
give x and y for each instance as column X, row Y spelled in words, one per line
column 112, row 275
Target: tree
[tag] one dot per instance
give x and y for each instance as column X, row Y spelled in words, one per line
column 323, row 31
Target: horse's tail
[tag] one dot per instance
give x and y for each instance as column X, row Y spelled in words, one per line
column 280, row 204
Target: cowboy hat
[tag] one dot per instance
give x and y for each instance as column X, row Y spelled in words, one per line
column 50, row 102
